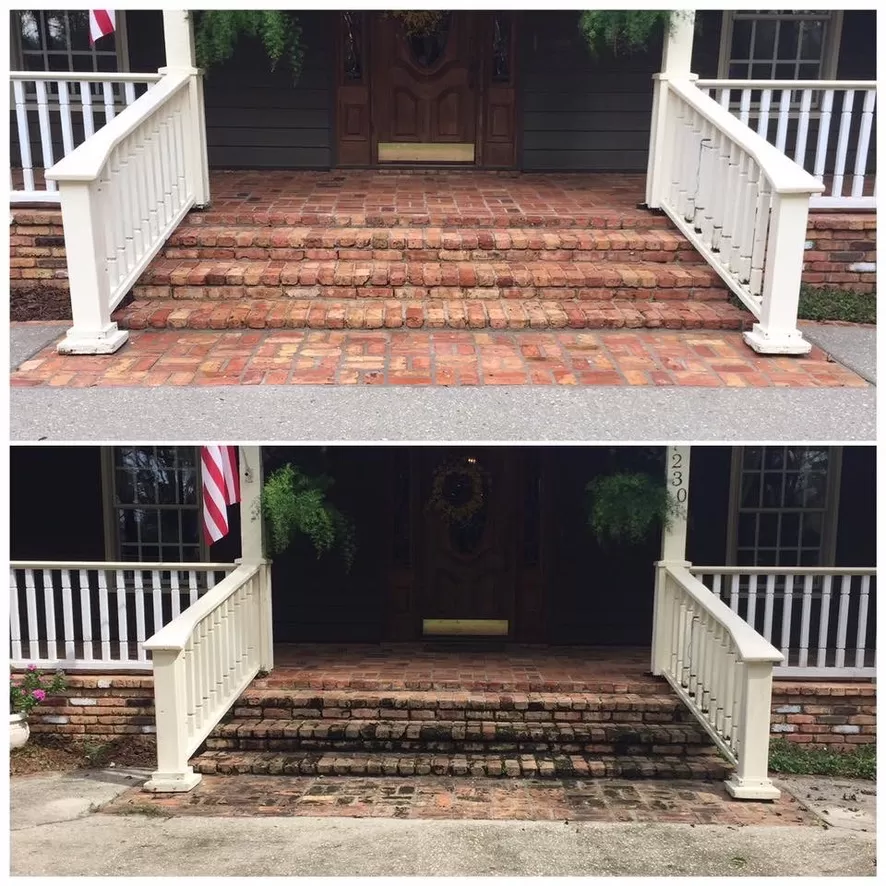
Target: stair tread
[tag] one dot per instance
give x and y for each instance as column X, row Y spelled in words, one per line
column 659, row 694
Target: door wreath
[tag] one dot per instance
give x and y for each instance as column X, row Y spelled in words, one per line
column 458, row 491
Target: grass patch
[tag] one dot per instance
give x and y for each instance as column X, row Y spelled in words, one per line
column 837, row 304
column 794, row 759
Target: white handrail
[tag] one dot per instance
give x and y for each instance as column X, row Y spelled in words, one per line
column 706, row 83
column 721, row 669
column 203, row 660
column 89, row 76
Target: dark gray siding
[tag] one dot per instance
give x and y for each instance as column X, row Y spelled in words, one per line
column 581, row 112
column 259, row 119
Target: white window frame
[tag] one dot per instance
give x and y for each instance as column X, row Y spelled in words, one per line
column 121, row 45
column 830, row 50
column 829, row 514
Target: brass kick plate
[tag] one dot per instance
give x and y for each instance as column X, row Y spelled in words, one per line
column 465, row 627
column 425, row 152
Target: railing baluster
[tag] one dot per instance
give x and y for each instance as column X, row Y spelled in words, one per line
column 744, row 112
column 15, row 624
column 192, row 587
column 784, row 114
column 864, row 139
column 770, row 605
column 803, row 127
column 122, row 617
column 861, row 633
column 86, row 615
column 843, row 142
column 824, row 619
column 104, row 615
column 157, row 599
column 109, row 101
column 786, row 618
column 129, row 92
column 68, row 615
column 760, row 238
column 64, row 109
column 45, row 131
column 751, row 616
column 86, row 104
column 138, row 583
column 824, row 129
column 49, row 606
column 733, row 593
column 843, row 620
column 763, row 113
column 804, row 621
column 175, row 593
column 31, row 601
column 24, row 134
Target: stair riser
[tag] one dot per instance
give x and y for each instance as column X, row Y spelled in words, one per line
column 471, row 719
column 512, row 768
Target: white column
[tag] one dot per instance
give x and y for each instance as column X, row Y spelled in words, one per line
column 673, row 542
column 181, row 57
column 777, row 331
column 252, row 544
column 93, row 331
column 676, row 61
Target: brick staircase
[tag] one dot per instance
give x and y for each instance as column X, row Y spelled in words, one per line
column 597, row 730
column 608, row 267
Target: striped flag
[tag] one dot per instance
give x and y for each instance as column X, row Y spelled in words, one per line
column 221, row 487
column 101, row 23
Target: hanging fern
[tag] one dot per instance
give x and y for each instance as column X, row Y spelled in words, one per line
column 295, row 504
column 624, row 507
column 623, row 31
column 218, row 31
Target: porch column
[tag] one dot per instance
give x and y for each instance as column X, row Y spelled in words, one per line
column 676, row 60
column 181, row 58
column 673, row 541
column 252, row 547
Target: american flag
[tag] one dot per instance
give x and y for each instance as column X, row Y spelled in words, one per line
column 221, row 487
column 101, row 23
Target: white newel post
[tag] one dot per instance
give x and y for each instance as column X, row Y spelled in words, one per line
column 673, row 543
column 751, row 778
column 173, row 774
column 252, row 546
column 181, row 57
column 676, row 62
column 777, row 332
column 93, row 331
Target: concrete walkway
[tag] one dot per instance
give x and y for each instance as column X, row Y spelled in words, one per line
column 853, row 345
column 56, row 832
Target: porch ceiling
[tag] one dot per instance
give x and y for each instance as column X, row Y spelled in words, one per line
column 477, row 666
column 437, row 197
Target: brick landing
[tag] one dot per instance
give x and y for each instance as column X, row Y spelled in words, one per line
column 154, row 358
column 685, row 802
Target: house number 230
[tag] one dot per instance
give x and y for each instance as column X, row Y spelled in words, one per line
column 677, row 474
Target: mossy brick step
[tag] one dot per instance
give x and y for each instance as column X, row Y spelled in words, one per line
column 489, row 765
column 459, row 313
column 206, row 242
column 384, row 278
column 451, row 736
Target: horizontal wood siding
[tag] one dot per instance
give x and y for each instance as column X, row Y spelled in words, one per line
column 579, row 112
column 259, row 119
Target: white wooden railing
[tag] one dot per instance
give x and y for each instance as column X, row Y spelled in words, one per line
column 203, row 660
column 123, row 192
column 740, row 201
column 55, row 112
column 88, row 616
column 823, row 125
column 822, row 619
column 721, row 669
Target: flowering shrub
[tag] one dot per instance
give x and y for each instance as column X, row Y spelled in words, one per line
column 28, row 690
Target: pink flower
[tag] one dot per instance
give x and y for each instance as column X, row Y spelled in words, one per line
column 39, row 694
column 32, row 667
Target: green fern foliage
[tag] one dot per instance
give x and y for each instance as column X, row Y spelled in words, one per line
column 295, row 504
column 624, row 507
column 218, row 31
column 622, row 31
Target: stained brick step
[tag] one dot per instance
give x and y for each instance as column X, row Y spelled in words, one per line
column 504, row 314
column 223, row 279
column 458, row 736
column 451, row 706
column 427, row 244
column 708, row 767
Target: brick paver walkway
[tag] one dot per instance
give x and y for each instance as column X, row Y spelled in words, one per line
column 606, row 800
column 446, row 358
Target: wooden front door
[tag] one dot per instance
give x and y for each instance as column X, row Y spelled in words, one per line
column 468, row 543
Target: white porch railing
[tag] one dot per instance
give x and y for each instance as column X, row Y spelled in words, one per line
column 56, row 112
column 823, row 620
column 740, row 201
column 82, row 616
column 823, row 125
column 721, row 669
column 203, row 660
column 123, row 192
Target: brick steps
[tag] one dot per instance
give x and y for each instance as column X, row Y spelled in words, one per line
column 220, row 279
column 505, row 314
column 205, row 242
column 489, row 765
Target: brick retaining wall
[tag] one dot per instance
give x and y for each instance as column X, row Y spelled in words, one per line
column 102, row 708
column 840, row 250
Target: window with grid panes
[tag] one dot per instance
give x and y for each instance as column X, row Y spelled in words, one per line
column 779, row 44
column 156, row 492
column 58, row 40
column 783, row 502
